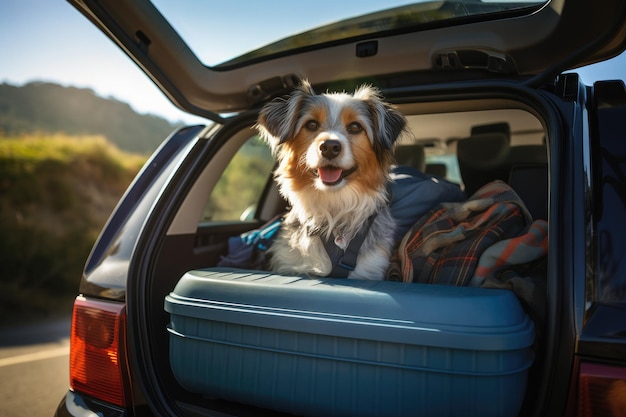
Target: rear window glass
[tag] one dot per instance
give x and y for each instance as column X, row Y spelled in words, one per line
column 232, row 33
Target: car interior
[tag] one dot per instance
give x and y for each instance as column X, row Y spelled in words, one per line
column 468, row 142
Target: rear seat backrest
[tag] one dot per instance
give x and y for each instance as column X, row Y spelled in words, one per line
column 530, row 182
column 437, row 169
column 487, row 156
column 482, row 159
column 529, row 177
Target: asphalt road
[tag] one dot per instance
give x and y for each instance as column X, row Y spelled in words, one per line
column 34, row 368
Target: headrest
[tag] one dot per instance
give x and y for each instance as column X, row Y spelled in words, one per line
column 486, row 148
column 411, row 156
column 502, row 127
column 483, row 151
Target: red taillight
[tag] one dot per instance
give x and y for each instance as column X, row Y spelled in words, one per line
column 601, row 390
column 97, row 350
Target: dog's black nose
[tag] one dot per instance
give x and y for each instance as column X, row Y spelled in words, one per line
column 330, row 148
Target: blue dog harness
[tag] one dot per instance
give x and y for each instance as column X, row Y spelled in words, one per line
column 344, row 260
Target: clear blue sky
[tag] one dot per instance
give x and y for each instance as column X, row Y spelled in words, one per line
column 49, row 40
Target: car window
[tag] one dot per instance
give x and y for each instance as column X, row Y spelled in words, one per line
column 239, row 189
column 451, row 164
column 288, row 25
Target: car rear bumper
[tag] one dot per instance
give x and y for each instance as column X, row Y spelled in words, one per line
column 76, row 405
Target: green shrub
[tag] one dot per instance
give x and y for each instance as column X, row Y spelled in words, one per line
column 56, row 193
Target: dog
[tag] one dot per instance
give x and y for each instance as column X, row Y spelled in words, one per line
column 334, row 153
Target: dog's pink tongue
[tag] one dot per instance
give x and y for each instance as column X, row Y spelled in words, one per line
column 329, row 174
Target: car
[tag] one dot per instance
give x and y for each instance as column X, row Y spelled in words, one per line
column 491, row 95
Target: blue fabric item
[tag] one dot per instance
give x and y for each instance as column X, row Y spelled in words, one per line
column 248, row 249
column 413, row 194
column 240, row 254
column 262, row 237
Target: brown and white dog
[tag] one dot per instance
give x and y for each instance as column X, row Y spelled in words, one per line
column 334, row 154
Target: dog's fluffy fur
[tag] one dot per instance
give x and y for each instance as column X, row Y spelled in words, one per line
column 334, row 154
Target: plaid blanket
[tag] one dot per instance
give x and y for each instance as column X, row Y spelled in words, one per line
column 445, row 246
column 528, row 247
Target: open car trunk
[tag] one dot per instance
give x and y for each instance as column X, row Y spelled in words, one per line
column 253, row 343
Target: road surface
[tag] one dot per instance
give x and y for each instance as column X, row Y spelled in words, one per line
column 34, row 368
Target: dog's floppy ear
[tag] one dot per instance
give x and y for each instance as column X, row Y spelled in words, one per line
column 392, row 125
column 388, row 122
column 277, row 119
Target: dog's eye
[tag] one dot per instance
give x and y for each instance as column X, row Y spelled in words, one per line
column 354, row 128
column 312, row 125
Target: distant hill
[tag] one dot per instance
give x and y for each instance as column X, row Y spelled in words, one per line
column 52, row 108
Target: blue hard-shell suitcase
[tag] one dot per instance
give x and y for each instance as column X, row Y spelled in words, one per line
column 338, row 347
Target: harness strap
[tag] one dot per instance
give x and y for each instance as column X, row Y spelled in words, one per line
column 344, row 261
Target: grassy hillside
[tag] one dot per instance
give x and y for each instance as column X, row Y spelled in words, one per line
column 48, row 107
column 56, row 192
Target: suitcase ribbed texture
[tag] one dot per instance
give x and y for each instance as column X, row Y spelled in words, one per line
column 349, row 348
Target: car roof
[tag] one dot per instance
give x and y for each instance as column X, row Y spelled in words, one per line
column 431, row 41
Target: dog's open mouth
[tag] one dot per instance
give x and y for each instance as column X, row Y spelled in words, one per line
column 332, row 175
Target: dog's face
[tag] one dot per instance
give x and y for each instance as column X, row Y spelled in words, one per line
column 333, row 141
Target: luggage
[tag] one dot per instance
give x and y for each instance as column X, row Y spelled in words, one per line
column 337, row 347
